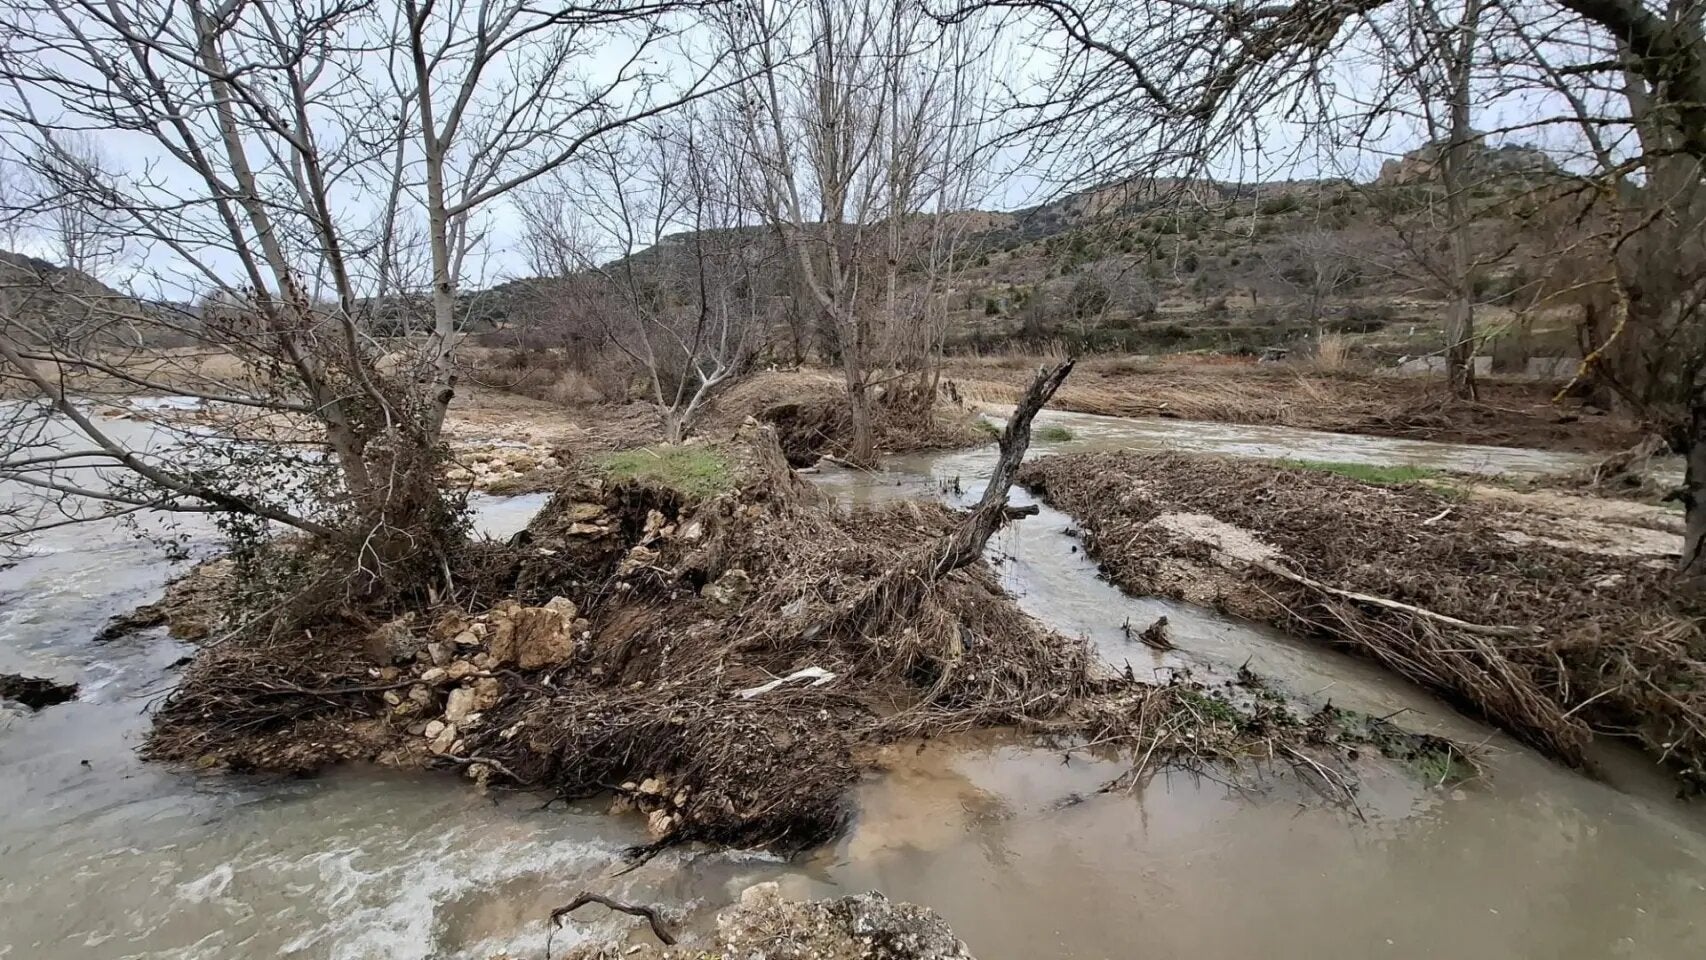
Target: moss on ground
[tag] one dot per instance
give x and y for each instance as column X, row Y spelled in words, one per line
column 690, row 469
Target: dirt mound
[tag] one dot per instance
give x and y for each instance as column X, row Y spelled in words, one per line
column 808, row 411
column 1554, row 641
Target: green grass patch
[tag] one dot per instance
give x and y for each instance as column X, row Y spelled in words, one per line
column 1439, row 481
column 988, row 426
column 1053, row 433
column 694, row 470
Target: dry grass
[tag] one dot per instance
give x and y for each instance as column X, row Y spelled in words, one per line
column 1595, row 643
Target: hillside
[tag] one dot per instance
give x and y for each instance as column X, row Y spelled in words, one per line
column 1170, row 265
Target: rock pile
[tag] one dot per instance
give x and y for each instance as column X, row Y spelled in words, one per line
column 455, row 665
column 766, row 926
column 508, row 468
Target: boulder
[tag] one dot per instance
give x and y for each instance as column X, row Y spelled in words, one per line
column 393, row 642
column 533, row 638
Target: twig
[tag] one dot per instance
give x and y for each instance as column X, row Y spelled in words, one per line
column 637, row 910
column 1450, row 621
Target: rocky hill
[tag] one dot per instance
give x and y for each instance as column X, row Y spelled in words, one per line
column 1166, row 265
column 59, row 301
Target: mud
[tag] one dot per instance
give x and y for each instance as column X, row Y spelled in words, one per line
column 1555, row 637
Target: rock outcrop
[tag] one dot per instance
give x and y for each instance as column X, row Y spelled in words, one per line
column 1510, row 160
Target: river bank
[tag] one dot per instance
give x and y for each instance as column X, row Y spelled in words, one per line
column 1557, row 629
column 1509, row 413
column 1015, row 845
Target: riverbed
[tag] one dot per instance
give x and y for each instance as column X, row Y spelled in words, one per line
column 102, row 856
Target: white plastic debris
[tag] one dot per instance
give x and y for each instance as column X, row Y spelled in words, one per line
column 817, row 675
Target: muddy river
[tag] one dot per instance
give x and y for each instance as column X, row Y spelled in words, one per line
column 104, row 857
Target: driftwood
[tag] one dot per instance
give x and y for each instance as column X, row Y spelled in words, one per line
column 637, row 910
column 966, row 544
column 895, row 595
column 1372, row 600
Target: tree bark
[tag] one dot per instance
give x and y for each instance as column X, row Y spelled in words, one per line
column 1454, row 171
column 863, row 445
column 1692, row 567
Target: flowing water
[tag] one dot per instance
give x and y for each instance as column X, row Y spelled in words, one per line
column 104, row 857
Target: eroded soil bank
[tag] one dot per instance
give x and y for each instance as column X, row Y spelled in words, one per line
column 721, row 649
column 1512, row 413
column 1557, row 630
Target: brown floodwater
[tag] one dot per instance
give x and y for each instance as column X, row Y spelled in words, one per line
column 104, row 857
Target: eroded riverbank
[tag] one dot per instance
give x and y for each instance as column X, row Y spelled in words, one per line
column 1011, row 844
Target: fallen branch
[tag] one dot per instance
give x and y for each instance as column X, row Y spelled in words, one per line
column 636, row 910
column 1372, row 600
column 895, row 595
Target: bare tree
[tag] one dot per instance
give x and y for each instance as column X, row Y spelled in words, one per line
column 859, row 132
column 75, row 172
column 1175, row 84
column 326, row 170
column 1315, row 264
column 656, row 219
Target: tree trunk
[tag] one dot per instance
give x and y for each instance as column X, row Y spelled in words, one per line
column 863, row 449
column 1460, row 345
column 1460, row 314
column 674, row 425
column 1692, row 567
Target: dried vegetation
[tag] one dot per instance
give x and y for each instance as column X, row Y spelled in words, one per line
column 1554, row 641
column 721, row 662
column 1511, row 413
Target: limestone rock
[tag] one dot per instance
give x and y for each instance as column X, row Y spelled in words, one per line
column 445, row 739
column 637, row 559
column 659, row 824
column 459, row 705
column 393, row 642
column 733, row 587
column 486, row 692
column 580, row 511
column 869, row 926
column 533, row 637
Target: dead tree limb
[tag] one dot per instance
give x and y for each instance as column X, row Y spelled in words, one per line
column 966, row 543
column 1485, row 630
column 895, row 595
column 637, row 910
